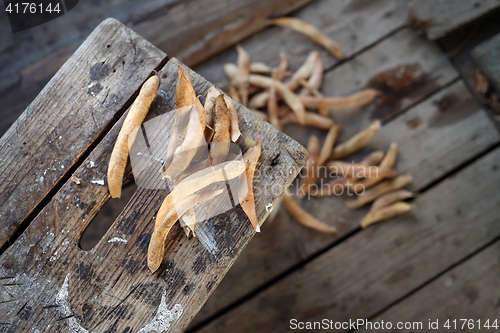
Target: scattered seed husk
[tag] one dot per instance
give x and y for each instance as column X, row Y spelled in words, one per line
column 165, row 222
column 357, row 142
column 358, row 99
column 128, row 132
column 304, row 71
column 222, row 136
column 244, row 70
column 233, row 118
column 179, row 131
column 184, row 154
column 75, row 180
column 374, row 158
column 386, row 213
column 310, row 119
column 259, row 100
column 288, row 96
column 388, row 161
column 373, row 193
column 303, row 217
column 390, row 198
column 260, row 68
column 212, row 94
column 316, row 78
column 233, row 74
column 184, row 92
column 245, row 195
column 272, row 104
column 312, row 32
column 327, row 147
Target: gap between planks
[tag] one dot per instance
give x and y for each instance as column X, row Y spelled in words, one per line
column 60, row 183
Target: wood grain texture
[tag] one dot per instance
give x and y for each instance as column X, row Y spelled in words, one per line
column 76, row 107
column 109, row 288
column 192, row 30
column 458, row 294
column 405, row 67
column 353, row 24
column 432, row 143
column 438, row 18
column 487, row 56
column 380, row 265
column 459, row 46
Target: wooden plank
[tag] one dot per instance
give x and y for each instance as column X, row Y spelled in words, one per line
column 354, row 24
column 284, row 234
column 191, row 30
column 405, row 67
column 109, row 288
column 380, row 265
column 104, row 219
column 76, row 107
column 439, row 18
column 487, row 55
column 460, row 46
column 469, row 291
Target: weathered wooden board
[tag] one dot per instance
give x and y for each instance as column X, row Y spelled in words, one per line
column 354, row 24
column 380, row 265
column 105, row 218
column 487, row 55
column 190, row 30
column 460, row 46
column 76, row 108
column 432, row 143
column 52, row 283
column 438, row 18
column 469, row 291
column 405, row 67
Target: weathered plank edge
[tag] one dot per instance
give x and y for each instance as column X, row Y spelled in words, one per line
column 10, row 234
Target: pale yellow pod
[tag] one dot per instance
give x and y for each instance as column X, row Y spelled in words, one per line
column 312, row 32
column 212, row 94
column 222, row 133
column 326, row 149
column 356, row 142
column 390, row 198
column 233, row 118
column 288, row 96
column 373, row 193
column 165, row 222
column 131, row 124
column 310, row 119
column 245, row 195
column 303, row 217
column 361, row 98
column 386, row 213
